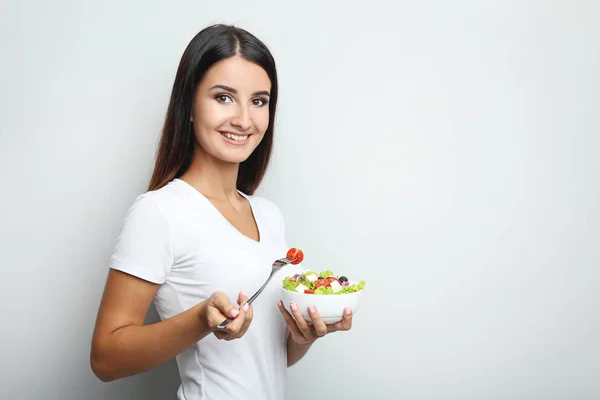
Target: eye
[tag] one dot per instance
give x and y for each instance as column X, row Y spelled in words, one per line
column 259, row 102
column 223, row 98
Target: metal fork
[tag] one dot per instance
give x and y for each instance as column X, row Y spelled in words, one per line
column 277, row 265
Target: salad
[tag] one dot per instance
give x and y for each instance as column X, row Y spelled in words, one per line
column 326, row 282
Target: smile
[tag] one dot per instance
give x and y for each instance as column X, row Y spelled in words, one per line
column 235, row 137
column 239, row 138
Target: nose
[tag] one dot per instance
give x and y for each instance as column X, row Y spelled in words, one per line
column 242, row 119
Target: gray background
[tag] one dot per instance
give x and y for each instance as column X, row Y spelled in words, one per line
column 447, row 152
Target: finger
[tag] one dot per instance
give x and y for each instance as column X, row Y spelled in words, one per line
column 224, row 309
column 222, row 335
column 243, row 302
column 221, row 302
column 318, row 324
column 242, row 298
column 347, row 320
column 234, row 328
column 345, row 324
column 289, row 321
column 236, row 325
column 301, row 322
column 248, row 310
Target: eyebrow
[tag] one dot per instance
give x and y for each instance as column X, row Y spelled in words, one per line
column 234, row 91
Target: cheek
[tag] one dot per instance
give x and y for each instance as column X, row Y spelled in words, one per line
column 261, row 119
column 212, row 115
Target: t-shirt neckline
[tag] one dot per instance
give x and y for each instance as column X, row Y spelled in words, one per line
column 222, row 217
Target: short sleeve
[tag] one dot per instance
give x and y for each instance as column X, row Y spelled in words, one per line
column 144, row 246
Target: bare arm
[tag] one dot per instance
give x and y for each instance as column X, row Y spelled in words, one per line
column 123, row 346
column 302, row 335
column 295, row 351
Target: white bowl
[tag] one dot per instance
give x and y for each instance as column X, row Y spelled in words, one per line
column 329, row 306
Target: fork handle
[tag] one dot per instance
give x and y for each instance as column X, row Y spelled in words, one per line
column 259, row 291
column 226, row 321
column 224, row 324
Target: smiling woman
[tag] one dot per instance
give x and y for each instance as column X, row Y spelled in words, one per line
column 200, row 238
column 232, row 113
column 239, row 73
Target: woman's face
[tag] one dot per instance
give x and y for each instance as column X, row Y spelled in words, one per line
column 231, row 113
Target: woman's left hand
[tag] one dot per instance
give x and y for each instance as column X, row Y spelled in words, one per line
column 304, row 333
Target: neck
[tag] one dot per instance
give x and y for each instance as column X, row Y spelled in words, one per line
column 214, row 178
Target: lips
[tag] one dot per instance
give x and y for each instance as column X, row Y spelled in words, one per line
column 235, row 136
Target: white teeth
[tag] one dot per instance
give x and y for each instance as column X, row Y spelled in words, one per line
column 235, row 137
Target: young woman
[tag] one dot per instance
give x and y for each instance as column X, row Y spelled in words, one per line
column 199, row 240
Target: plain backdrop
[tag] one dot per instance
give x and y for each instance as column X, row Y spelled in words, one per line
column 446, row 152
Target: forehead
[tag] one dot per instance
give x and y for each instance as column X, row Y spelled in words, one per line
column 240, row 74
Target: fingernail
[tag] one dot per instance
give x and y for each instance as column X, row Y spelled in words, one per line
column 311, row 308
column 293, row 306
column 348, row 310
column 279, row 303
column 233, row 313
column 243, row 293
column 246, row 307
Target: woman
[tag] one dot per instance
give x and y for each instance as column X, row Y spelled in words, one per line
column 200, row 239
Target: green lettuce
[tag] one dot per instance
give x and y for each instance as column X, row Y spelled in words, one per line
column 288, row 284
column 327, row 273
column 324, row 290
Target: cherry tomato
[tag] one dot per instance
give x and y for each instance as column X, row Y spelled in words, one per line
column 333, row 278
column 322, row 282
column 296, row 255
column 308, row 291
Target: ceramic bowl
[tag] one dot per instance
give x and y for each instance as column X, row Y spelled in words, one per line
column 330, row 306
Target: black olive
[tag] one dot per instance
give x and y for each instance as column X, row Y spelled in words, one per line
column 343, row 279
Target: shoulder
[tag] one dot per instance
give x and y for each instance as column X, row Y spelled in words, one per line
column 157, row 203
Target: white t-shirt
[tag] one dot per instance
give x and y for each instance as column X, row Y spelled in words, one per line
column 175, row 237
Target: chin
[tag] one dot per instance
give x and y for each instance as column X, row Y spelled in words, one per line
column 227, row 153
column 234, row 160
column 239, row 154
column 234, row 157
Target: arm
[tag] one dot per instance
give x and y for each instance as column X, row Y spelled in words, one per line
column 301, row 335
column 295, row 351
column 123, row 346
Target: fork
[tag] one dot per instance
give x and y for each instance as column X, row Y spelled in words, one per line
column 277, row 265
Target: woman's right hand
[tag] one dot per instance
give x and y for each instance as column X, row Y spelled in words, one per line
column 218, row 308
column 123, row 345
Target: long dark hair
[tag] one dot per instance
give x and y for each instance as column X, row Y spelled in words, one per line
column 176, row 148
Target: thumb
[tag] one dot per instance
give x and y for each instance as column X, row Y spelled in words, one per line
column 242, row 299
column 222, row 303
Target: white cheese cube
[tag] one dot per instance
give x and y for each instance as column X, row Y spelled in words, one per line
column 301, row 288
column 312, row 277
column 335, row 286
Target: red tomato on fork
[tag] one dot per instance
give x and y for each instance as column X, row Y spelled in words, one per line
column 296, row 255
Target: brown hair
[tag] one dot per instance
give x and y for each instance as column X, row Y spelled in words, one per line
column 176, row 147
